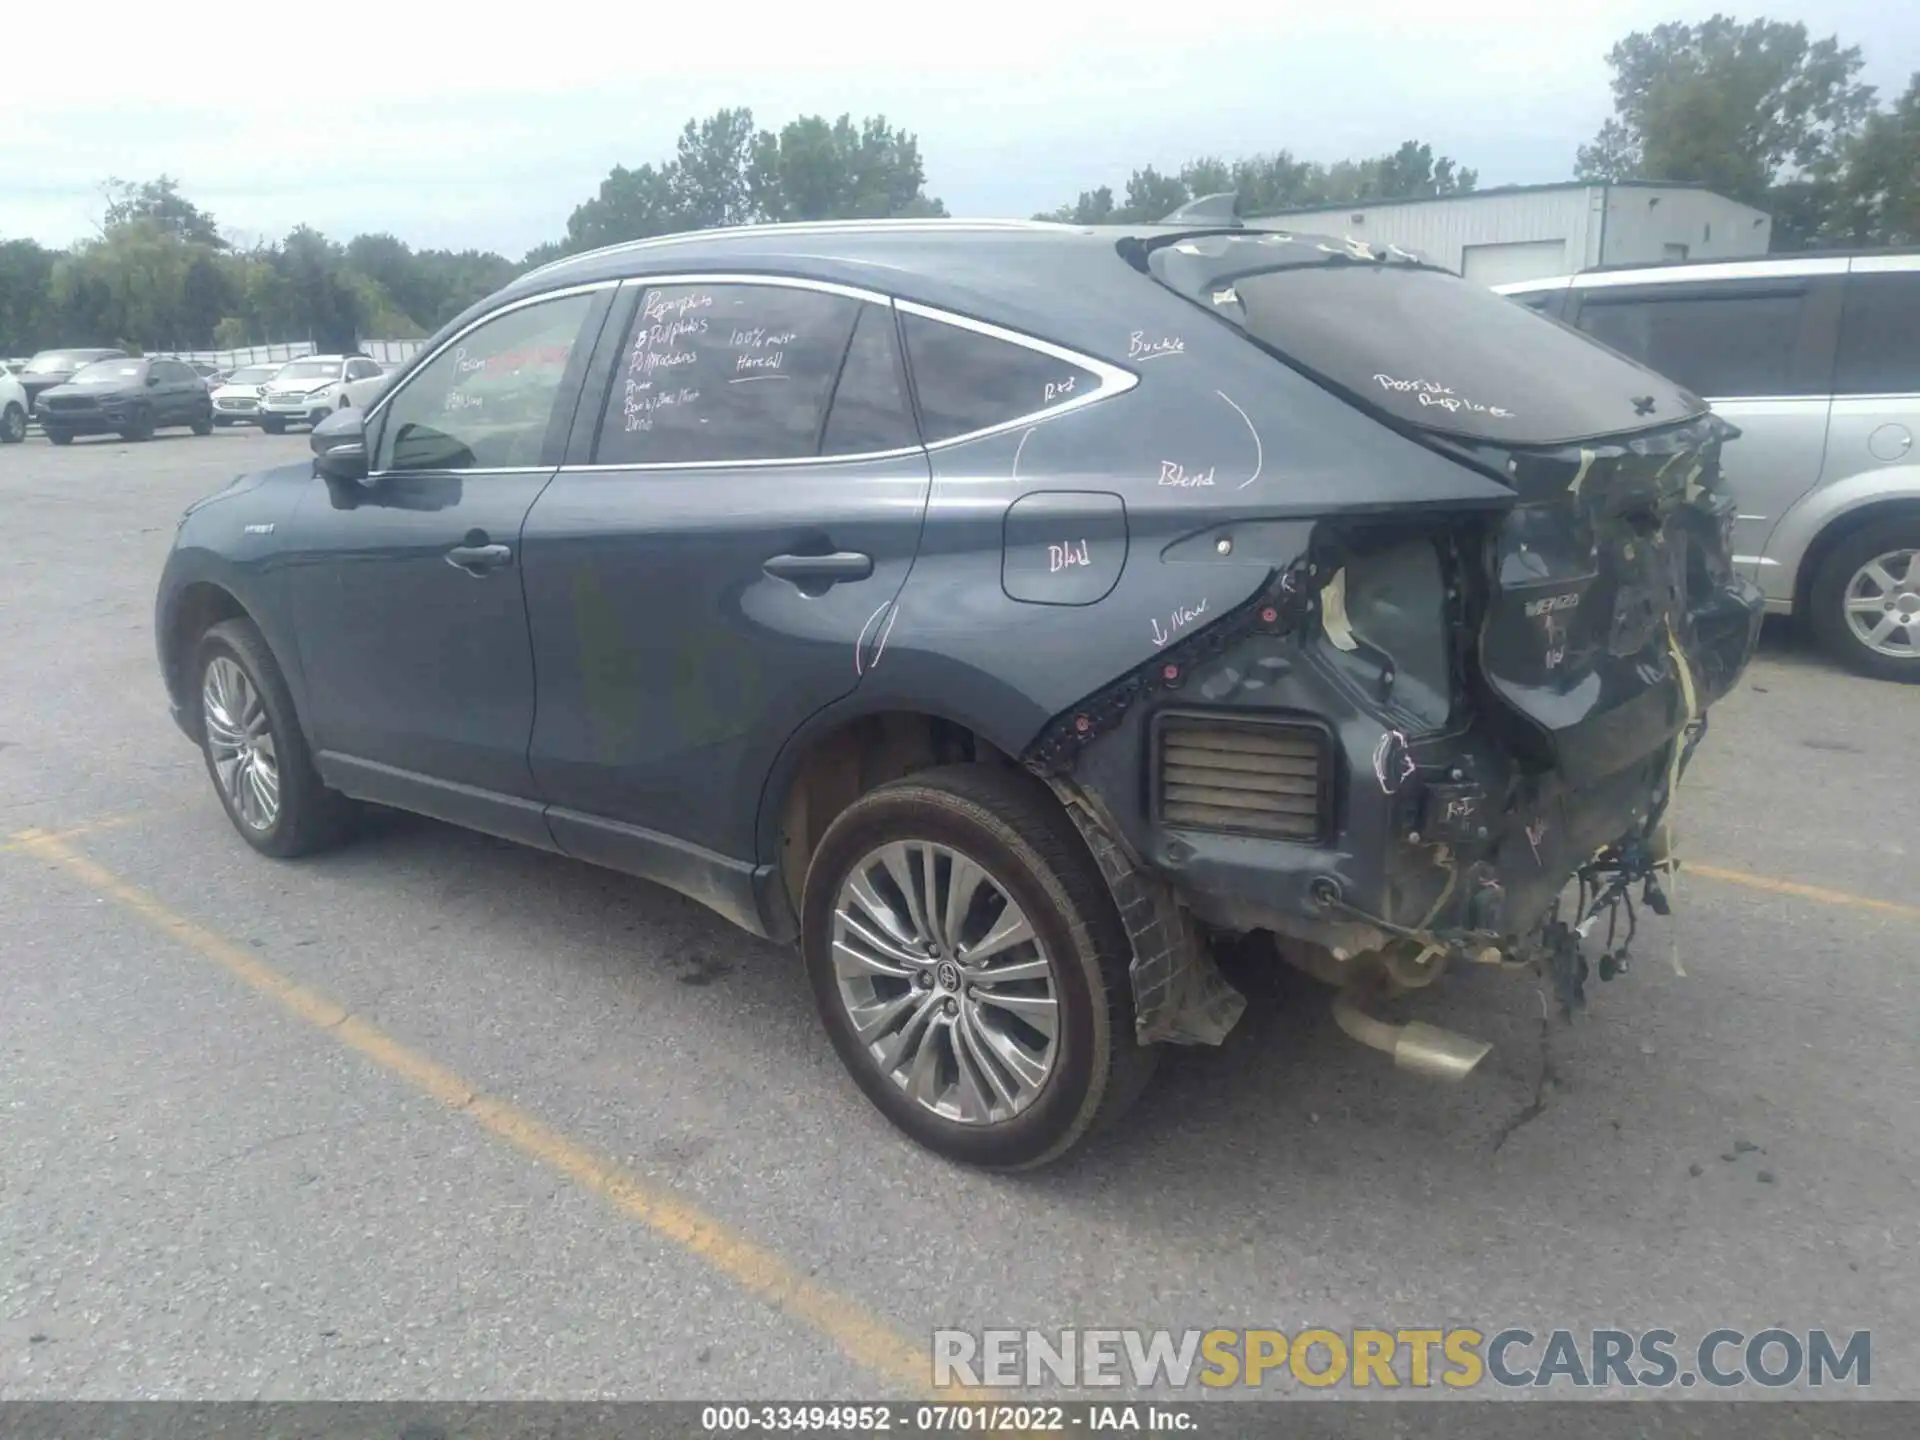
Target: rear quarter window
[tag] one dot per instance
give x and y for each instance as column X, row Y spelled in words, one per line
column 968, row 380
column 1880, row 335
column 1724, row 346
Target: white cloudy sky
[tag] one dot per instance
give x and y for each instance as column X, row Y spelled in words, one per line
column 483, row 123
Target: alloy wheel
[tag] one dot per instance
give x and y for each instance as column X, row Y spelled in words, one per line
column 948, row 986
column 1883, row 604
column 240, row 743
column 13, row 425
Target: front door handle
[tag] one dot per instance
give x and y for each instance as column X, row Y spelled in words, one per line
column 817, row 572
column 479, row 559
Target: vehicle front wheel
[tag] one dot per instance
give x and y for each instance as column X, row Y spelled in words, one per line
column 1865, row 601
column 273, row 425
column 971, row 969
column 58, row 437
column 204, row 425
column 255, row 751
column 13, row 425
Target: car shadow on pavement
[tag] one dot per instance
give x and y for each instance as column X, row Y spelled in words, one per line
column 1286, row 1080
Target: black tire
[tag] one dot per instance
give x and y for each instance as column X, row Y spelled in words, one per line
column 310, row 817
column 13, row 425
column 273, row 425
column 1012, row 827
column 58, row 437
column 141, row 428
column 1827, row 596
column 204, row 425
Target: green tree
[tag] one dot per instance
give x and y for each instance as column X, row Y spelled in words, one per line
column 724, row 172
column 27, row 322
column 160, row 202
column 1264, row 183
column 1739, row 108
column 815, row 171
column 1877, row 194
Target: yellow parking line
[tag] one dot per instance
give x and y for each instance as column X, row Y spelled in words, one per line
column 1801, row 892
column 105, row 822
column 862, row 1337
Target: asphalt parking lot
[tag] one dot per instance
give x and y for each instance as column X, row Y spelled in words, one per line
column 437, row 1117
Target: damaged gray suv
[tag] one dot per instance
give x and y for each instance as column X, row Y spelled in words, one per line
column 1007, row 612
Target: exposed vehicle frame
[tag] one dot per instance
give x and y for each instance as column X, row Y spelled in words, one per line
column 1825, row 472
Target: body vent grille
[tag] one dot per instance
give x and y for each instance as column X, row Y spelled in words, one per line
column 1246, row 777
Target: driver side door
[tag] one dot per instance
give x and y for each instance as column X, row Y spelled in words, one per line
column 410, row 614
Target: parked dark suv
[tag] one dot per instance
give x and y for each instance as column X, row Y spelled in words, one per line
column 1006, row 612
column 55, row 367
column 130, row 398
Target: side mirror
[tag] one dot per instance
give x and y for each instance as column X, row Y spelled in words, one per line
column 152, row 379
column 339, row 445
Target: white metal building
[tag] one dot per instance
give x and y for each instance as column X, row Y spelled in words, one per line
column 1529, row 232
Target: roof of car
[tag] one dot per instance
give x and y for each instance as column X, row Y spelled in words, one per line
column 1017, row 271
column 1780, row 263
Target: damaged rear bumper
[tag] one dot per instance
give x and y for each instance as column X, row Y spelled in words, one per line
column 1269, row 775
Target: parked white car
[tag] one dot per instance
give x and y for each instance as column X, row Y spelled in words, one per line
column 13, row 409
column 363, row 392
column 237, row 402
column 306, row 391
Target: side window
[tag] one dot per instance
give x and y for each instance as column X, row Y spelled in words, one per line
column 870, row 410
column 361, row 369
column 967, row 381
column 485, row 400
column 725, row 372
column 1880, row 335
column 1718, row 346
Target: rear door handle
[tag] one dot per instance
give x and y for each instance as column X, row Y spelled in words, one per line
column 817, row 572
column 479, row 559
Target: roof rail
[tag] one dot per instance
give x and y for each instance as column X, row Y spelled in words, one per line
column 803, row 227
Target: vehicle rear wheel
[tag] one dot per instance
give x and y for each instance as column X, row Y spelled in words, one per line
column 273, row 424
column 255, row 751
column 13, row 425
column 1865, row 601
column 140, row 427
column 58, row 437
column 204, row 425
column 971, row 969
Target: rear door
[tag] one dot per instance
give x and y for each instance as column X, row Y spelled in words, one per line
column 719, row 558
column 1876, row 381
column 181, row 391
column 1759, row 348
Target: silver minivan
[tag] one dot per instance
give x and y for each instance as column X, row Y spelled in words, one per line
column 1816, row 359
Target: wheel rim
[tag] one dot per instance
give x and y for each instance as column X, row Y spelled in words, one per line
column 948, row 987
column 240, row 744
column 1883, row 604
column 15, row 421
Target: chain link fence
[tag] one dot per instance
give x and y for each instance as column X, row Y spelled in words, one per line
column 387, row 352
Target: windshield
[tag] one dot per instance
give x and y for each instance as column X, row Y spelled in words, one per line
column 108, row 372
column 253, row 374
column 55, row 362
column 1419, row 343
column 309, row 370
